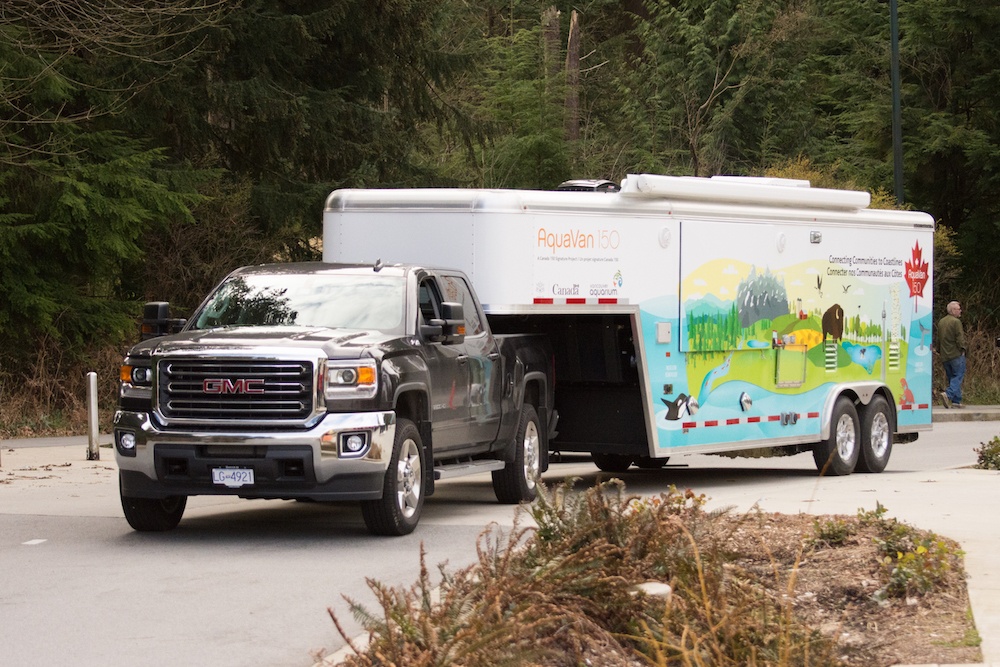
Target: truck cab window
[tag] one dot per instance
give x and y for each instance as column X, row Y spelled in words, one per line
column 456, row 290
column 429, row 299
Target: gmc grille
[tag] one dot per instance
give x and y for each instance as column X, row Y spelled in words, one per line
column 235, row 390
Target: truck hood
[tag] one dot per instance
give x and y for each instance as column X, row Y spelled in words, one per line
column 336, row 343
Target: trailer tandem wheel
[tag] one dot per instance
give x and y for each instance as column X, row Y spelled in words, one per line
column 838, row 454
column 612, row 462
column 876, row 436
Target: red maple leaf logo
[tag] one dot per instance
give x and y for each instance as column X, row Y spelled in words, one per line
column 917, row 273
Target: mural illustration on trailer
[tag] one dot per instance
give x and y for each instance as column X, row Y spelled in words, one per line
column 753, row 335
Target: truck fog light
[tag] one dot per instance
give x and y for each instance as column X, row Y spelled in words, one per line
column 354, row 444
column 126, row 443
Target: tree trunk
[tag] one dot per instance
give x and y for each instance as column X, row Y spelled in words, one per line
column 550, row 45
column 573, row 79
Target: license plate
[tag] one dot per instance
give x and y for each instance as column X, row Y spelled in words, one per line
column 233, row 478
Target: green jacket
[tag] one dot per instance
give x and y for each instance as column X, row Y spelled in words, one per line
column 951, row 338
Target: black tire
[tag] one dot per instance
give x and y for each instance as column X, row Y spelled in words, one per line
column 152, row 514
column 838, row 454
column 518, row 481
column 877, row 428
column 397, row 512
column 612, row 462
column 649, row 463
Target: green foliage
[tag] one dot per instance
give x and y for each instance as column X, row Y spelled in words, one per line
column 912, row 562
column 988, row 454
column 227, row 124
column 832, row 531
column 918, row 570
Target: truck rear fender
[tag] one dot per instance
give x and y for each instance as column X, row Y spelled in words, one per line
column 530, row 392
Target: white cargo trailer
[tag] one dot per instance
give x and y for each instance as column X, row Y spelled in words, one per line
column 689, row 314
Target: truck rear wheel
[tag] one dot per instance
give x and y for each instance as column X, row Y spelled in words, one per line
column 876, row 436
column 612, row 462
column 838, row 454
column 152, row 514
column 397, row 512
column 518, row 481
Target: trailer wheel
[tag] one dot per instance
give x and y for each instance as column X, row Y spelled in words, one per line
column 612, row 462
column 876, row 436
column 398, row 510
column 649, row 463
column 838, row 454
column 152, row 514
column 518, row 481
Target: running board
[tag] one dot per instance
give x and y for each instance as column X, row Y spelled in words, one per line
column 467, row 468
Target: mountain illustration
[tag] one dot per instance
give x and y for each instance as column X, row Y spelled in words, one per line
column 709, row 305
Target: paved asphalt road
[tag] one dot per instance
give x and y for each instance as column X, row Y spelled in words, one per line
column 249, row 582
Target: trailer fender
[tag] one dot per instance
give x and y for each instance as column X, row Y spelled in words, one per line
column 861, row 393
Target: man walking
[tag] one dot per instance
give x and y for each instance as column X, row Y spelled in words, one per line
column 951, row 343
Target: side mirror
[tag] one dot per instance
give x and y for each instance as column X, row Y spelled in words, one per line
column 156, row 320
column 454, row 323
column 450, row 329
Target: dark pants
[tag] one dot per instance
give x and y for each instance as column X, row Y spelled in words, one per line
column 954, row 372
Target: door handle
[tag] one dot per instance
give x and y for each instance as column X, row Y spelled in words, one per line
column 463, row 358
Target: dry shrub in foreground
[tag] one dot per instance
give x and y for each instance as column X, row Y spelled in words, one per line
column 561, row 594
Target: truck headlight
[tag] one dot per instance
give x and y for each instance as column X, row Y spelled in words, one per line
column 139, row 376
column 351, row 379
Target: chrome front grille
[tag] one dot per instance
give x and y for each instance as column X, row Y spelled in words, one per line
column 232, row 390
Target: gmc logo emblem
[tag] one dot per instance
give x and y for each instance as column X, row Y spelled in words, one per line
column 227, row 386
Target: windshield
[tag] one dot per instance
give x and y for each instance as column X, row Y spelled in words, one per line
column 308, row 300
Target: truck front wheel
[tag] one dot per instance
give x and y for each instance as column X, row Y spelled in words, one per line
column 518, row 481
column 152, row 514
column 838, row 454
column 398, row 510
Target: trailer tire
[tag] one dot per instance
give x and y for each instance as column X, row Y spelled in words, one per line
column 612, row 462
column 152, row 514
column 518, row 481
column 876, row 436
column 838, row 454
column 649, row 463
column 397, row 512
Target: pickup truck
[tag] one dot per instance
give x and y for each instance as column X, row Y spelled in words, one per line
column 330, row 382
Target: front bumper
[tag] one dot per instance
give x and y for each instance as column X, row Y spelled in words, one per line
column 308, row 464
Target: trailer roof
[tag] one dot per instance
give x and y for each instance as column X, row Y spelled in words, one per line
column 641, row 194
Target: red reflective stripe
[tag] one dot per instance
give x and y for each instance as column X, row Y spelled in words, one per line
column 813, row 415
column 714, row 422
column 774, row 418
column 753, row 420
column 688, row 424
column 537, row 300
column 576, row 301
column 607, row 301
column 732, row 421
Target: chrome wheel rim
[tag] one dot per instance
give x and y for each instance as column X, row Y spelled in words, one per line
column 880, row 435
column 845, row 437
column 408, row 479
column 532, row 460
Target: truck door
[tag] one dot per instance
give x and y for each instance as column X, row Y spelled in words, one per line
column 483, row 362
column 449, row 377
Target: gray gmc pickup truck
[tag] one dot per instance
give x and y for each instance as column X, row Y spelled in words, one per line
column 330, row 382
